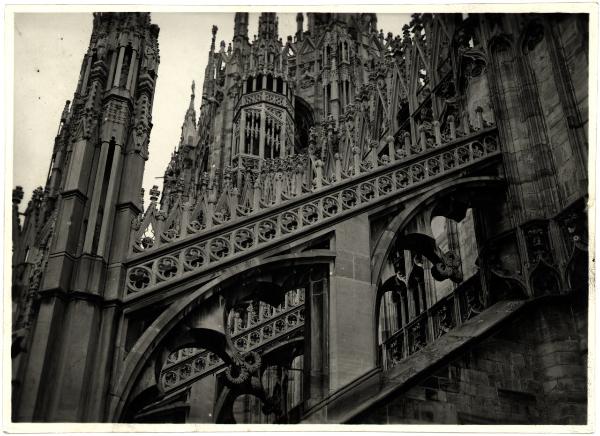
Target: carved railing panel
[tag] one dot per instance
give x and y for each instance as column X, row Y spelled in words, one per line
column 206, row 250
column 462, row 304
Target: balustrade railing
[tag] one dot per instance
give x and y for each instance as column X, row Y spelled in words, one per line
column 190, row 364
column 462, row 304
column 254, row 185
column 244, row 317
column 325, row 205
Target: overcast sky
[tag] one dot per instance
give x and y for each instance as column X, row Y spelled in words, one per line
column 49, row 48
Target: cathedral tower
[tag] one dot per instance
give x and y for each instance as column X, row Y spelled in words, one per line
column 91, row 197
column 356, row 227
column 263, row 118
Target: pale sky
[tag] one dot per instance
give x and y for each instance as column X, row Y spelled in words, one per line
column 49, row 49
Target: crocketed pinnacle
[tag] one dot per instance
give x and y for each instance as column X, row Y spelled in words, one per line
column 188, row 129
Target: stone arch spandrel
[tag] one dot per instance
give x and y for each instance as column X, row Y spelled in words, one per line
column 152, row 337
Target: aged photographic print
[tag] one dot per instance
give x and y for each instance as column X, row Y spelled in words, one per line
column 300, row 218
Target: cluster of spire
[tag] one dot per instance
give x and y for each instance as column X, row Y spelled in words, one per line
column 264, row 54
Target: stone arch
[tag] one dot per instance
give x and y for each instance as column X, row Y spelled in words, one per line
column 149, row 341
column 505, row 287
column 388, row 286
column 500, row 42
column 533, row 33
column 386, row 241
column 384, row 244
column 455, row 217
column 544, row 280
column 196, row 340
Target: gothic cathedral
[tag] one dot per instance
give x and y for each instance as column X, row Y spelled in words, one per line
column 356, row 227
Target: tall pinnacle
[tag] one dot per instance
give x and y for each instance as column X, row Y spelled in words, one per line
column 299, row 25
column 193, row 96
column 207, row 86
column 240, row 30
column 268, row 25
column 188, row 129
column 214, row 36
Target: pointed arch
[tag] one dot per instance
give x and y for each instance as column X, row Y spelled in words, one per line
column 149, row 341
column 383, row 245
column 304, row 120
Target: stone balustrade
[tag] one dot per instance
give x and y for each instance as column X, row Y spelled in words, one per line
column 195, row 366
column 462, row 304
column 254, row 186
column 151, row 270
column 238, row 323
column 189, row 364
